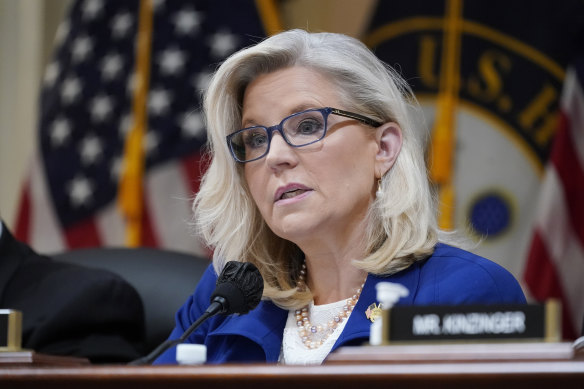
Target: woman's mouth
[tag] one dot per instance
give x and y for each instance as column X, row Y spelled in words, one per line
column 292, row 193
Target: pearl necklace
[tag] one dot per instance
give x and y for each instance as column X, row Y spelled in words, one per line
column 313, row 336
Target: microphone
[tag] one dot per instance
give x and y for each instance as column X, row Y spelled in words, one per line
column 238, row 289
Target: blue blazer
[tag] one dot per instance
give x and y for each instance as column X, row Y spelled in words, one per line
column 449, row 276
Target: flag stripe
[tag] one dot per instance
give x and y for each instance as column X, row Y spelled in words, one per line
column 193, row 168
column 111, row 225
column 541, row 271
column 83, row 234
column 148, row 234
column 563, row 248
column 572, row 103
column 23, row 225
column 170, row 201
column 45, row 233
column 555, row 266
column 565, row 159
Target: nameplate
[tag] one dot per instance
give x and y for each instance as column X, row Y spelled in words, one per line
column 10, row 330
column 473, row 323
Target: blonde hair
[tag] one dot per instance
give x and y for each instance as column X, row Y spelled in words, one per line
column 401, row 224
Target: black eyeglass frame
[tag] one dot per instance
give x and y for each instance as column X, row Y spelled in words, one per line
column 326, row 111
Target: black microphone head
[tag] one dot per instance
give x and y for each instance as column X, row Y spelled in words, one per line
column 239, row 287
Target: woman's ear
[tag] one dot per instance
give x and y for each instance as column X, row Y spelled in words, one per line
column 389, row 142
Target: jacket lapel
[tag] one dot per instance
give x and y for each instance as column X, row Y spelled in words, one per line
column 263, row 325
column 358, row 326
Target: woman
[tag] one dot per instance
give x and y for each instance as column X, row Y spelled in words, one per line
column 317, row 176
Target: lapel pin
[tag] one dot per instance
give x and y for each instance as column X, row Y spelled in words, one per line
column 373, row 312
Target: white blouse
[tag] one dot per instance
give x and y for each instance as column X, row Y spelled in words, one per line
column 294, row 351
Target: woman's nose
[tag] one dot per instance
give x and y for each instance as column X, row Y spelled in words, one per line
column 280, row 153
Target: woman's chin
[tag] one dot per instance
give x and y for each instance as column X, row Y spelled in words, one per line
column 297, row 231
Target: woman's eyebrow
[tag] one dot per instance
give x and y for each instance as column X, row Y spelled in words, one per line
column 251, row 122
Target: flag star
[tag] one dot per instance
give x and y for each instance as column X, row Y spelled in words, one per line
column 125, row 125
column 151, row 142
column 81, row 48
column 62, row 32
column 192, row 125
column 70, row 90
column 157, row 4
column 91, row 8
column 201, row 80
column 111, row 66
column 91, row 150
column 121, row 25
column 134, row 83
column 222, row 44
column 101, row 108
column 80, row 191
column 60, row 131
column 158, row 102
column 131, row 84
column 187, row 22
column 116, row 168
column 52, row 73
column 172, row 61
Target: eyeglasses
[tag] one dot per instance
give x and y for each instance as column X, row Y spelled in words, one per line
column 298, row 130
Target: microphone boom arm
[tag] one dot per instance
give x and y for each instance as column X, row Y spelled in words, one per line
column 239, row 289
column 215, row 308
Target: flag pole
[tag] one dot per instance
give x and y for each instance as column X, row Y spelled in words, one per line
column 130, row 190
column 443, row 137
column 270, row 16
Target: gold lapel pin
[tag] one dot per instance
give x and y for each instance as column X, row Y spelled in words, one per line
column 373, row 312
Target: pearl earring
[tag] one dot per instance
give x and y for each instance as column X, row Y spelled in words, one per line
column 379, row 193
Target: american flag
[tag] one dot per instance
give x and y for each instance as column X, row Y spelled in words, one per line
column 555, row 266
column 69, row 199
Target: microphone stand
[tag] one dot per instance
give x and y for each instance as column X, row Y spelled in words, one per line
column 229, row 297
column 217, row 306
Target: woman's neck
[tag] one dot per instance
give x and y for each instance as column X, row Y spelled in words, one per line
column 333, row 279
column 331, row 275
